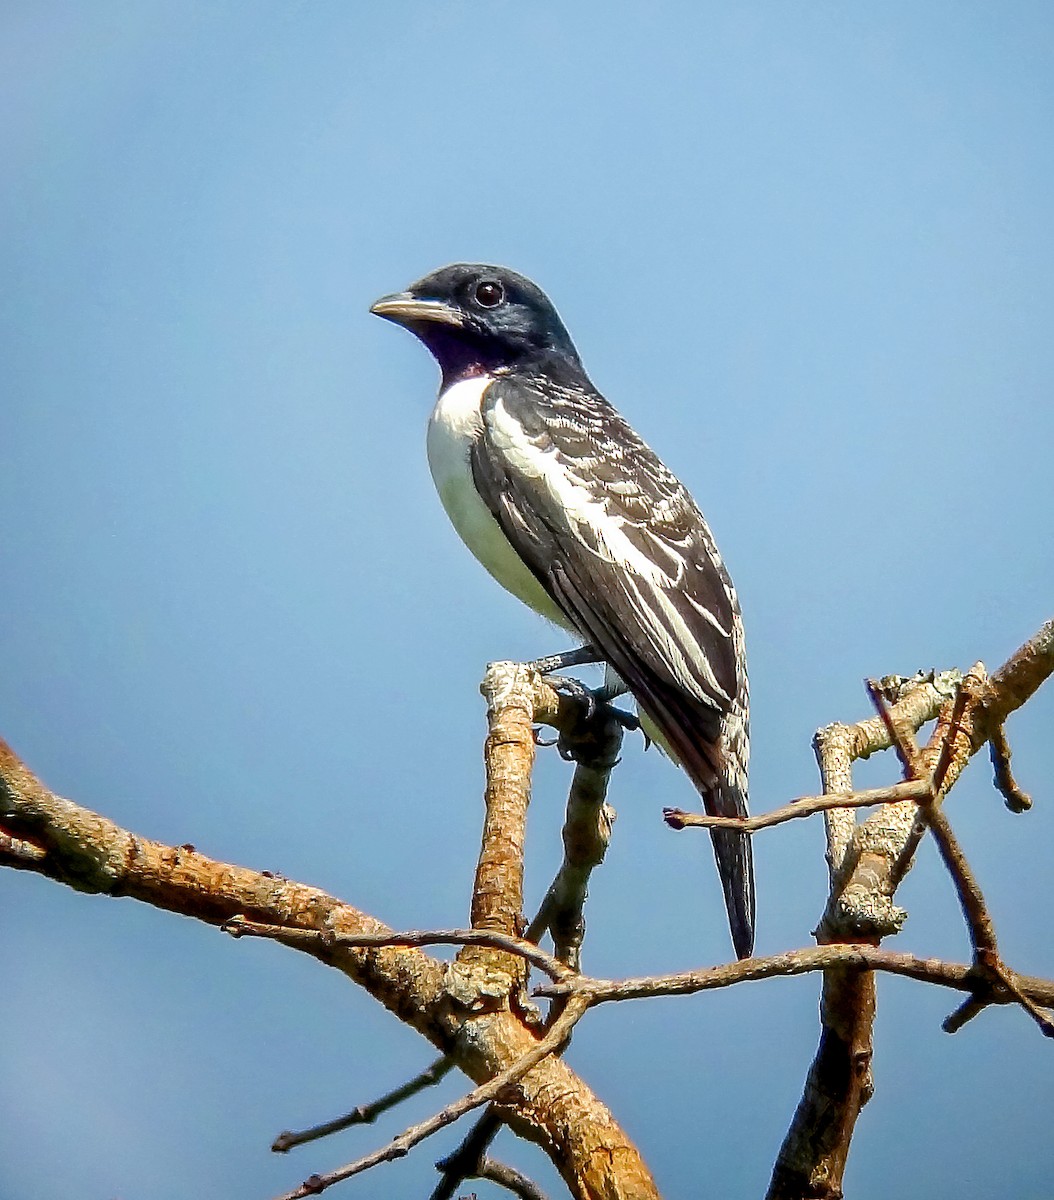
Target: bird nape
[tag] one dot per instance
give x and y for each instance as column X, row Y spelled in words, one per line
column 569, row 509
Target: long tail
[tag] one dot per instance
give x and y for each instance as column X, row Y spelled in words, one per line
column 715, row 758
column 735, row 859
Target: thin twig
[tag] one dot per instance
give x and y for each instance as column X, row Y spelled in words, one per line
column 958, row 976
column 838, row 746
column 1017, row 800
column 366, row 1114
column 465, row 1162
column 867, row 861
column 242, row 927
column 399, row 1147
column 971, row 898
column 971, row 1007
column 996, row 968
column 804, row 806
column 510, row 1179
column 594, row 744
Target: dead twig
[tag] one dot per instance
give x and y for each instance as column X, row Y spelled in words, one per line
column 594, row 744
column 239, row 926
column 844, row 955
column 366, row 1114
column 971, row 899
column 510, row 1179
column 400, row 1146
column 1017, row 800
column 804, row 806
column 465, row 1162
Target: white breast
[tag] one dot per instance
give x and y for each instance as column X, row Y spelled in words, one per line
column 454, row 425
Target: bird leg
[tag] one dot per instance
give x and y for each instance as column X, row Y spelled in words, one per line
column 590, row 699
column 574, row 689
column 569, row 658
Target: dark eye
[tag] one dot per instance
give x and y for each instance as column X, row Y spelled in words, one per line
column 489, row 293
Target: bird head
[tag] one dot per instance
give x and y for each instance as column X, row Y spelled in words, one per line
column 476, row 319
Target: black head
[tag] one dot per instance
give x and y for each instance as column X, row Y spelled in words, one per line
column 477, row 318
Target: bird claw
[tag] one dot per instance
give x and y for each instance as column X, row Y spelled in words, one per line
column 594, row 737
column 575, row 690
column 627, row 720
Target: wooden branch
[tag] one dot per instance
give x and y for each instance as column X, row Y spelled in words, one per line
column 804, row 806
column 861, row 957
column 399, row 1147
column 528, row 951
column 1019, row 677
column 838, row 746
column 508, row 755
column 466, row 1161
column 594, row 742
column 867, row 862
column 366, row 1114
column 1017, row 800
column 548, row 1105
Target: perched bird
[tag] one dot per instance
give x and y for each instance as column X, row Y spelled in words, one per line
column 573, row 513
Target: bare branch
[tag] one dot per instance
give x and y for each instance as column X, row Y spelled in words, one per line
column 399, row 1147
column 366, row 1114
column 497, row 894
column 550, row 1106
column 804, row 806
column 1020, row 676
column 241, row 927
column 1017, row 800
column 971, row 899
column 467, row 1160
column 857, row 957
column 594, row 743
column 867, row 862
column 510, row 1179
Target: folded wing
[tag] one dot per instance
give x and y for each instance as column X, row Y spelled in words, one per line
column 621, row 548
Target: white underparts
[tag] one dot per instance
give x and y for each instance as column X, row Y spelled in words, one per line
column 454, row 425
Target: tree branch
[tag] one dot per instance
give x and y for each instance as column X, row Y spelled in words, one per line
column 867, row 862
column 1017, row 800
column 399, row 1147
column 594, row 743
column 548, row 1105
column 855, row 957
column 366, row 1114
column 804, row 806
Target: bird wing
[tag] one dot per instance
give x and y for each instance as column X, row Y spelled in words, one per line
column 619, row 545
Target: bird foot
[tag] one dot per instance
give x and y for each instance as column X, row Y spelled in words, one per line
column 575, row 690
column 595, row 736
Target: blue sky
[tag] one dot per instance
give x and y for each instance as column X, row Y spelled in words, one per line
column 805, row 247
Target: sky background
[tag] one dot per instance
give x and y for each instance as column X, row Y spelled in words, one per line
column 806, row 248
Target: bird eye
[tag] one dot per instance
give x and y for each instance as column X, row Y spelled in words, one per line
column 489, row 293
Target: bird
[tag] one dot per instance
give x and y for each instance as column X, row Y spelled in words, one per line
column 570, row 510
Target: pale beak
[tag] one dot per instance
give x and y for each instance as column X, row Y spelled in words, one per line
column 404, row 308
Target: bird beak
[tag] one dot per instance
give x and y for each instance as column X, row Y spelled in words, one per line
column 404, row 308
